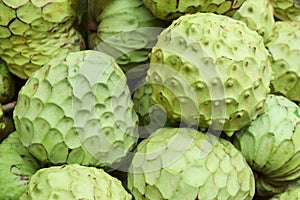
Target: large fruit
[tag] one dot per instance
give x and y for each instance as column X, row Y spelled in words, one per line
column 34, row 32
column 172, row 9
column 7, row 84
column 284, row 48
column 16, row 167
column 186, row 164
column 210, row 70
column 77, row 110
column 271, row 145
column 292, row 193
column 73, row 182
column 286, row 10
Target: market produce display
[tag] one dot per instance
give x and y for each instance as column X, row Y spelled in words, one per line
column 149, row 99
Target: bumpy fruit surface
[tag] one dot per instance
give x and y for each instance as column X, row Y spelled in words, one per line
column 258, row 15
column 127, row 31
column 271, row 145
column 77, row 110
column 74, row 182
column 186, row 164
column 293, row 192
column 34, row 32
column 172, row 9
column 286, row 10
column 284, row 48
column 17, row 166
column 210, row 70
column 7, row 83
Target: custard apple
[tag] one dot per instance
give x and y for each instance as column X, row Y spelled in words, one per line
column 258, row 15
column 17, row 166
column 182, row 163
column 292, row 193
column 286, row 10
column 7, row 84
column 271, row 145
column 33, row 32
column 284, row 48
column 172, row 9
column 74, row 182
column 77, row 110
column 210, row 70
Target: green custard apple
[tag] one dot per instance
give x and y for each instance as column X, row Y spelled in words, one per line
column 77, row 110
column 271, row 145
column 210, row 70
column 7, row 84
column 286, row 10
column 74, row 182
column 17, row 165
column 182, row 163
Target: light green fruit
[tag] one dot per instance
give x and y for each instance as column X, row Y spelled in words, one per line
column 7, row 84
column 210, row 70
column 34, row 32
column 271, row 145
column 74, row 182
column 286, row 10
column 127, row 31
column 284, row 48
column 186, row 164
column 258, row 15
column 17, row 166
column 292, row 193
column 77, row 110
column 172, row 9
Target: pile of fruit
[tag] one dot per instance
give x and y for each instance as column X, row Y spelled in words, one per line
column 149, row 99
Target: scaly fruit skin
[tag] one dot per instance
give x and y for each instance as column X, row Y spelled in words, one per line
column 7, row 84
column 284, row 48
column 17, row 166
column 271, row 145
column 182, row 163
column 77, row 110
column 258, row 15
column 172, row 9
column 286, row 10
column 74, row 182
column 210, row 70
column 127, row 31
column 34, row 32
column 292, row 193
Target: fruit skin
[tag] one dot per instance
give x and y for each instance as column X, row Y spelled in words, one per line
column 33, row 32
column 284, row 48
column 126, row 30
column 172, row 9
column 258, row 15
column 7, row 84
column 17, row 166
column 77, row 110
column 292, row 192
column 182, row 163
column 74, row 182
column 264, row 142
column 211, row 71
column 286, row 10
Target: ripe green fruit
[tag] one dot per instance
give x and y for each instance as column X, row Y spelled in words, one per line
column 186, row 164
column 74, row 182
column 77, row 110
column 7, row 84
column 211, row 71
column 286, row 10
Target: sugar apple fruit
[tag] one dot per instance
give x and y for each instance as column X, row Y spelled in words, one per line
column 7, row 84
column 172, row 9
column 77, row 110
column 284, row 48
column 258, row 15
column 17, row 166
column 127, row 31
column 182, row 163
column 286, row 10
column 33, row 32
column 293, row 192
column 210, row 70
column 271, row 145
column 74, row 182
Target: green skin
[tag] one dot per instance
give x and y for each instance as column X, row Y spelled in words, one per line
column 7, row 84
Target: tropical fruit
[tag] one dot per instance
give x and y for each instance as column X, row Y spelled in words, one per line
column 74, row 182
column 271, row 145
column 34, row 32
column 172, row 9
column 7, row 84
column 284, row 48
column 186, row 164
column 293, row 192
column 210, row 70
column 286, row 10
column 77, row 110
column 17, row 166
